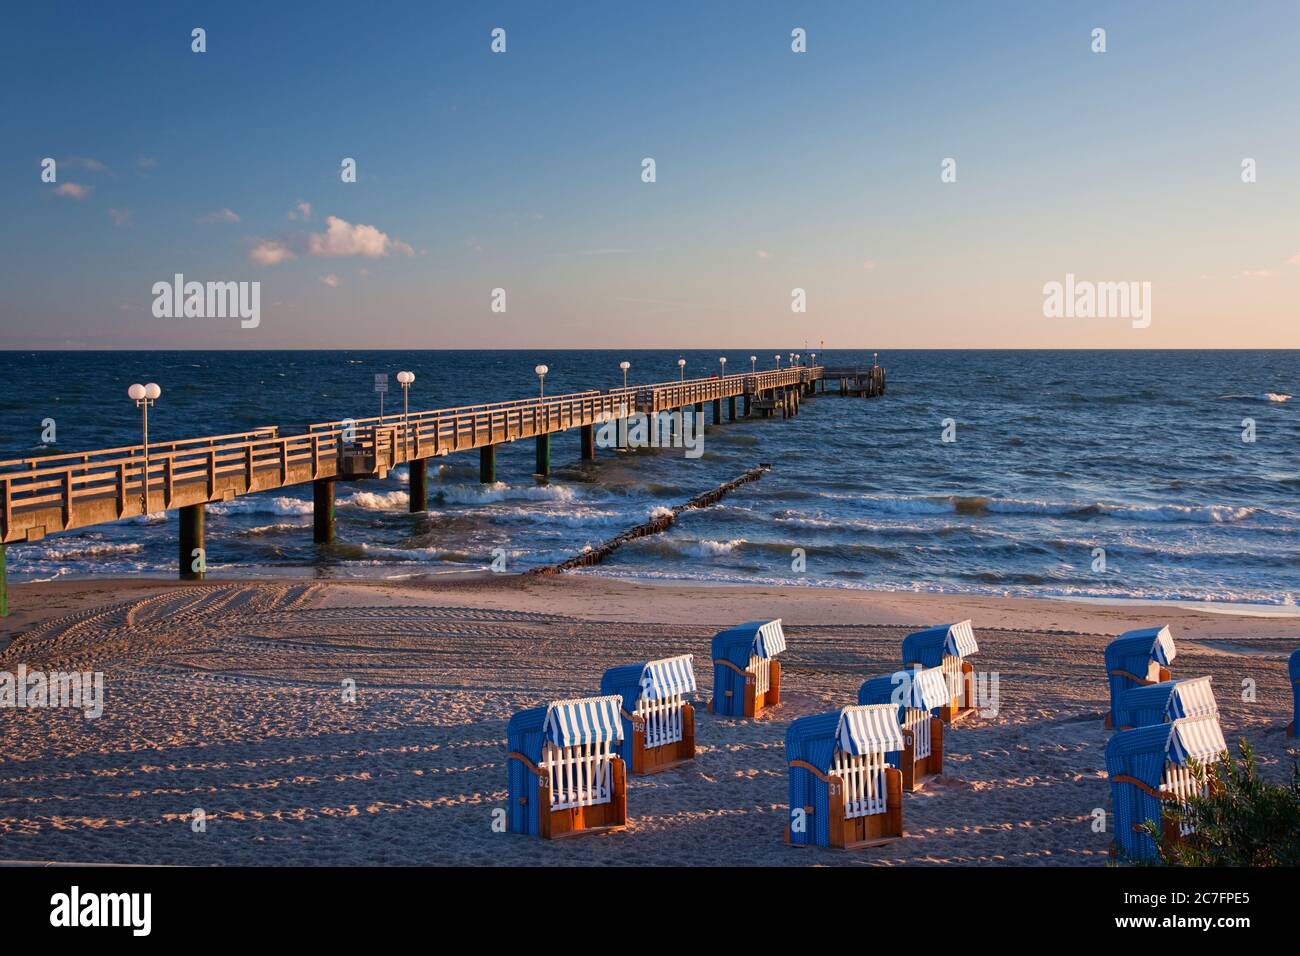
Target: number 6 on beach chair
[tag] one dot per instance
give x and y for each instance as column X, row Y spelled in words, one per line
column 658, row 723
column 565, row 774
column 746, row 675
column 917, row 696
column 843, row 791
column 1149, row 768
column 947, row 646
column 1135, row 659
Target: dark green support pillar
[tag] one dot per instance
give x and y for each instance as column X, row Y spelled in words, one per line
column 745, row 404
column 419, row 485
column 4, row 584
column 193, row 559
column 322, row 510
column 543, row 455
column 487, row 464
column 588, row 442
column 731, row 409
column 717, row 411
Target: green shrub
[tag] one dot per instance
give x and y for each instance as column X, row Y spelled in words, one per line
column 1244, row 821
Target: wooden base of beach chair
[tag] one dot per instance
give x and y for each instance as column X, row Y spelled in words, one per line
column 915, row 772
column 875, row 829
column 577, row 821
column 755, row 702
column 654, row 759
column 962, row 705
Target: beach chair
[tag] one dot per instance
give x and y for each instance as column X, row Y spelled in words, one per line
column 1149, row 767
column 1166, row 701
column 565, row 775
column 918, row 695
column 947, row 646
column 746, row 674
column 1135, row 659
column 658, row 722
column 1293, row 670
column 843, row 791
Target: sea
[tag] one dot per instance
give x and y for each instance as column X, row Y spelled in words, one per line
column 1168, row 476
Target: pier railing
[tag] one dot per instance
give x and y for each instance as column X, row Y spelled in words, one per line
column 40, row 496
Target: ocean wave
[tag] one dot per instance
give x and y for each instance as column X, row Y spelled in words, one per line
column 980, row 505
column 1265, row 397
column 255, row 504
column 500, row 491
column 376, row 500
column 73, row 550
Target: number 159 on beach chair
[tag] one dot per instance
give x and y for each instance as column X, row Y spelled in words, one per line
column 658, row 722
column 565, row 773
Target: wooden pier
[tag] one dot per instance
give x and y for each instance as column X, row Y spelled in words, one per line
column 42, row 496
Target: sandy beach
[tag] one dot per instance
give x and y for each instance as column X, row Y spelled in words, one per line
column 227, row 697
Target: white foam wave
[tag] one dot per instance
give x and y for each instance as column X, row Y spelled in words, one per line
column 255, row 504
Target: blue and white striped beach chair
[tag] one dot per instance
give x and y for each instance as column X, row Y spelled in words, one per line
column 947, row 646
column 658, row 721
column 919, row 695
column 565, row 775
column 1135, row 659
column 1151, row 766
column 1293, row 672
column 746, row 674
column 843, row 791
column 1166, row 701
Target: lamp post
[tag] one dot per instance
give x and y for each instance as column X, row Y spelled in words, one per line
column 405, row 379
column 144, row 396
column 778, row 360
column 681, row 365
column 753, row 363
column 625, row 366
column 812, row 358
column 723, row 362
column 541, row 371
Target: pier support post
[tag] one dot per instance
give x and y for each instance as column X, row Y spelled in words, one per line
column 731, row 408
column 322, row 510
column 4, row 584
column 191, row 537
column 717, row 411
column 745, row 404
column 543, row 455
column 588, row 442
column 487, row 464
column 419, row 485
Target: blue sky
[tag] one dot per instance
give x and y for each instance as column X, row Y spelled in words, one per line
column 775, row 171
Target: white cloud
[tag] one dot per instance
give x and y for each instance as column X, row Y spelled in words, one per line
column 73, row 190
column 84, row 162
column 1295, row 259
column 342, row 238
column 270, row 252
column 1257, row 274
column 120, row 217
column 146, row 162
column 331, row 280
column 762, row 254
column 221, row 215
column 302, row 210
